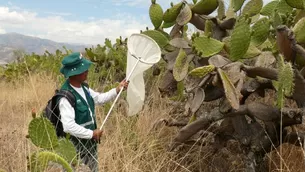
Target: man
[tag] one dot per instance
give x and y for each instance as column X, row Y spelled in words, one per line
column 80, row 121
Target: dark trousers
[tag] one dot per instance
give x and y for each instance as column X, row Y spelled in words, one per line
column 87, row 149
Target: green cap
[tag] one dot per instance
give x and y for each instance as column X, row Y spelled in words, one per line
column 74, row 64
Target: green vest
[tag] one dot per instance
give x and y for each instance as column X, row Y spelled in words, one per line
column 83, row 117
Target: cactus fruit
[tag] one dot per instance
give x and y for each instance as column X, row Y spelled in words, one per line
column 205, row 7
column 237, row 4
column 240, row 39
column 42, row 133
column 156, row 14
column 230, row 91
column 253, row 7
column 206, row 46
column 260, row 31
column 202, row 71
column 299, row 31
column 268, row 9
column 181, row 66
column 34, row 113
column 184, row 16
column 221, row 10
column 160, row 38
column 67, row 150
column 171, row 14
column 296, row 3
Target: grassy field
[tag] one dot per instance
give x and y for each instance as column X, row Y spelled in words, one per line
column 129, row 144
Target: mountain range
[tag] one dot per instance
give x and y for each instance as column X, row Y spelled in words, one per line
column 10, row 42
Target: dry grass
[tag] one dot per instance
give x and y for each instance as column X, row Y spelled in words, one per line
column 128, row 145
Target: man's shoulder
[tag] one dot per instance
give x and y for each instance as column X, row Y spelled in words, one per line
column 65, row 93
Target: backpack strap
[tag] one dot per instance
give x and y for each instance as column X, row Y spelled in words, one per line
column 68, row 95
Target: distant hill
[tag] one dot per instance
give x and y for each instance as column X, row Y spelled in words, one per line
column 13, row 41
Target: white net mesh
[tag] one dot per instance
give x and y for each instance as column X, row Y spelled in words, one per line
column 149, row 53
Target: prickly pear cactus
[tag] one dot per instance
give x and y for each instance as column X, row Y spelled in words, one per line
column 299, row 30
column 207, row 46
column 42, row 133
column 181, row 66
column 171, row 14
column 240, row 39
column 156, row 14
column 60, row 151
column 160, row 38
column 40, row 161
column 67, row 150
column 205, row 7
column 202, row 71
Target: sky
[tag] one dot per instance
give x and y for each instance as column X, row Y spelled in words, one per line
column 77, row 21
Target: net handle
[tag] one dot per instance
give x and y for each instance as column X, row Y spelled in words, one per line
column 122, row 88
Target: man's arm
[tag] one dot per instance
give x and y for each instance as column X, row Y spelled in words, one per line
column 101, row 98
column 68, row 120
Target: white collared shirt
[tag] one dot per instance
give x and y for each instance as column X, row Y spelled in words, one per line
column 68, row 114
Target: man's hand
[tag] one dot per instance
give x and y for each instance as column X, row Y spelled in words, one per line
column 123, row 84
column 97, row 133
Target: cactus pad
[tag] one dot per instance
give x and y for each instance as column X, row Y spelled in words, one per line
column 171, row 14
column 237, row 4
column 296, row 3
column 168, row 24
column 207, row 46
column 197, row 100
column 240, row 40
column 208, row 27
column 252, row 51
column 218, row 61
column 285, row 84
column 184, row 16
column 156, row 15
column 230, row 91
column 260, row 31
column 202, row 71
column 67, row 150
column 253, row 7
column 42, row 133
column 179, row 43
column 205, row 7
column 299, row 31
column 283, row 7
column 268, row 9
column 221, row 10
column 266, row 59
column 39, row 161
column 159, row 37
column 181, row 66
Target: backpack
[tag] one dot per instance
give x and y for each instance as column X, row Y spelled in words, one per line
column 51, row 111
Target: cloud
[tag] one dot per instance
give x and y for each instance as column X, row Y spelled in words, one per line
column 61, row 30
column 58, row 13
column 145, row 3
column 2, row 31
